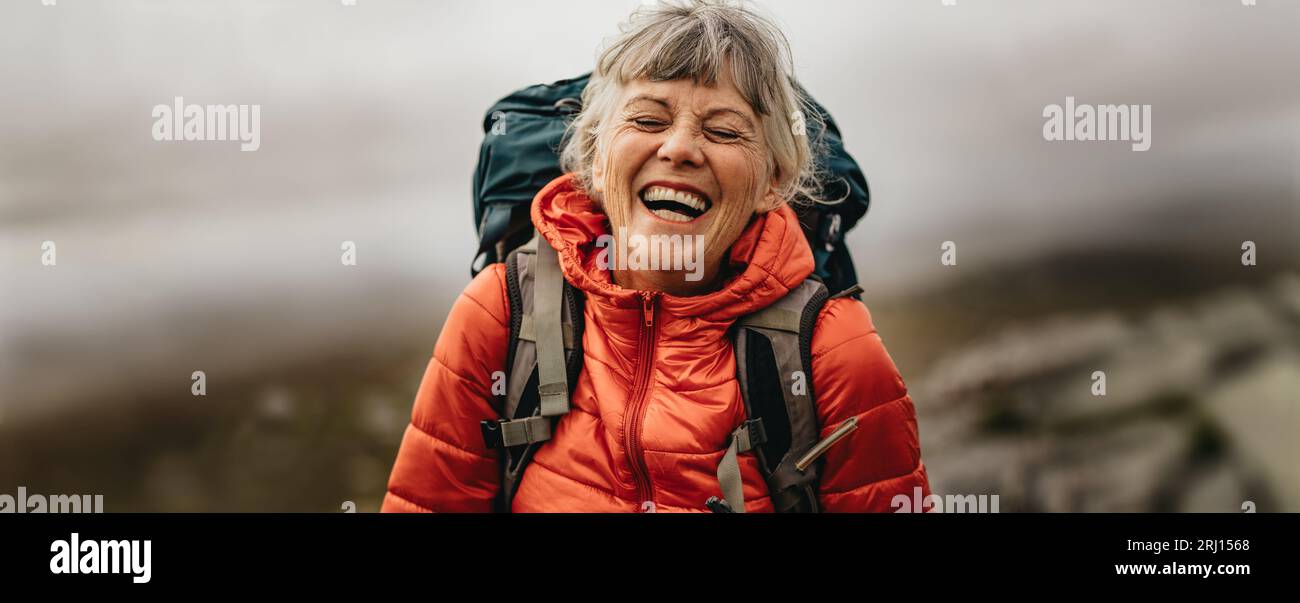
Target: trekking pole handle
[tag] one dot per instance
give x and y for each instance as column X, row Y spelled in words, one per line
column 821, row 447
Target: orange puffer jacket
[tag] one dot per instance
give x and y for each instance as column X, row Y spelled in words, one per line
column 657, row 397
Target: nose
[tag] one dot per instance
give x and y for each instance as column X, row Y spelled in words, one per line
column 682, row 148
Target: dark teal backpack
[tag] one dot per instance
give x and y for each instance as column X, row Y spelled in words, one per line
column 520, row 155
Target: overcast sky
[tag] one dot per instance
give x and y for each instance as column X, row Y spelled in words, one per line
column 371, row 119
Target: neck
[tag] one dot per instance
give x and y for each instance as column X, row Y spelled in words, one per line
column 674, row 283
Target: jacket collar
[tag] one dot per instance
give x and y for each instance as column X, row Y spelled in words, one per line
column 770, row 257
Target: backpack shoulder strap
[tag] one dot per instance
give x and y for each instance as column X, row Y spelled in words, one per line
column 542, row 362
column 774, row 368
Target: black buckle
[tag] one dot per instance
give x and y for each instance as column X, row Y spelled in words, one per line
column 757, row 433
column 491, row 433
column 718, row 505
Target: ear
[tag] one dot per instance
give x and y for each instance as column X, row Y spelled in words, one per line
column 771, row 198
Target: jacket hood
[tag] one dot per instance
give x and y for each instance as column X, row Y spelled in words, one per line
column 770, row 257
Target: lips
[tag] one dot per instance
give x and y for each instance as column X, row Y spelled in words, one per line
column 674, row 202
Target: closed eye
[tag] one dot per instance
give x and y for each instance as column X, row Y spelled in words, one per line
column 649, row 124
column 723, row 135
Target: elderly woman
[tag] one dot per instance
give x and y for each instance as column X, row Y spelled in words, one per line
column 684, row 132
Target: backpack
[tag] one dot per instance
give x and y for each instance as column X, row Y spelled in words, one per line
column 772, row 346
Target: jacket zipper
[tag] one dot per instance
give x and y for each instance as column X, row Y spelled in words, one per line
column 636, row 408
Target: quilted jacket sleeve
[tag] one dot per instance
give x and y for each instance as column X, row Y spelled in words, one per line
column 853, row 376
column 443, row 465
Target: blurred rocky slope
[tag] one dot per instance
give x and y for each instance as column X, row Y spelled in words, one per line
column 1199, row 411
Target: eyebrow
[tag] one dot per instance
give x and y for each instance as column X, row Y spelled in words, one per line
column 742, row 116
column 667, row 105
column 648, row 97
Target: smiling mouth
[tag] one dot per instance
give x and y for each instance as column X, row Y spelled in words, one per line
column 674, row 205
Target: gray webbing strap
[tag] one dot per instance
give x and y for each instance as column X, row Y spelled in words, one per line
column 528, row 331
column 772, row 318
column 548, row 301
column 525, row 431
column 729, row 469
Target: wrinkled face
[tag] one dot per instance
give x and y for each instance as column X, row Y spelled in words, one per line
column 682, row 158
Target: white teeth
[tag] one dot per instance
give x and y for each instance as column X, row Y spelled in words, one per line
column 671, row 216
column 663, row 193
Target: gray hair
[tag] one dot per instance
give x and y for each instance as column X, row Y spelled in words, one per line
column 695, row 39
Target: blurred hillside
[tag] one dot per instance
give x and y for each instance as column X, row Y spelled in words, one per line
column 1200, row 411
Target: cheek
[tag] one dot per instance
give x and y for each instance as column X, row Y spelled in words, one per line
column 740, row 175
column 627, row 151
column 741, row 178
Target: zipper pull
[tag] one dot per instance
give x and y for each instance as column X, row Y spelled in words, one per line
column 648, row 308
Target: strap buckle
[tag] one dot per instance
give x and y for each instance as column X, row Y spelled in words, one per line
column 491, row 433
column 505, row 433
column 751, row 434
